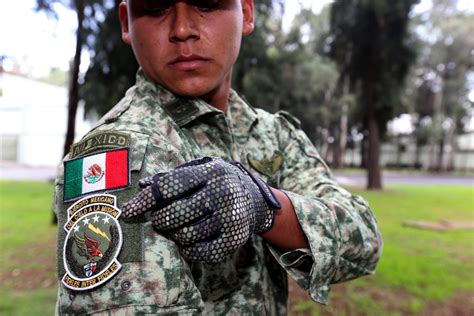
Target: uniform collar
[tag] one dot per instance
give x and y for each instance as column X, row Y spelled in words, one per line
column 243, row 116
column 186, row 110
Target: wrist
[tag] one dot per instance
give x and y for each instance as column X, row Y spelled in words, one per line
column 266, row 206
column 286, row 232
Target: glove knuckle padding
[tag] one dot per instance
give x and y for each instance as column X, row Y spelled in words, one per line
column 139, row 204
column 207, row 228
column 213, row 251
column 183, row 211
column 176, row 183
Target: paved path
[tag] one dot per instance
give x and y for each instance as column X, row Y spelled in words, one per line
column 18, row 172
column 401, row 178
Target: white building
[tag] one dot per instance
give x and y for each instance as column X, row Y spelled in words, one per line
column 33, row 120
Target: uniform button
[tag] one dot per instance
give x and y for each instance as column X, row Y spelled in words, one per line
column 126, row 285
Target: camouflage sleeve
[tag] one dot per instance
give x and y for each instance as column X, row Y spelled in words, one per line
column 341, row 230
column 152, row 277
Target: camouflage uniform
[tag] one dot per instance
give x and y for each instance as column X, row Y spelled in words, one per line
column 167, row 131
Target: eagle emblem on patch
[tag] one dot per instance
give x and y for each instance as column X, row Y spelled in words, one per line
column 94, row 174
column 93, row 242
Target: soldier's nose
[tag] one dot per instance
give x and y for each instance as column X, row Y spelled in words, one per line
column 183, row 24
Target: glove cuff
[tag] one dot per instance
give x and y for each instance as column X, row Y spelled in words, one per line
column 267, row 192
column 272, row 203
column 266, row 222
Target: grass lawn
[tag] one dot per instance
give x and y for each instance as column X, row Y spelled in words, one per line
column 27, row 248
column 421, row 272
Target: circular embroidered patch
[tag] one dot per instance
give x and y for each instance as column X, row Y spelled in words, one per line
column 93, row 242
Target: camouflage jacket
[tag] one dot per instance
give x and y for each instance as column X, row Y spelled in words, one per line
column 163, row 131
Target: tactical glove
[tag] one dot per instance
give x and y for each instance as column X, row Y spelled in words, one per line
column 209, row 207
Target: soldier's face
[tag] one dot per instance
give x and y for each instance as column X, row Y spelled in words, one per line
column 189, row 46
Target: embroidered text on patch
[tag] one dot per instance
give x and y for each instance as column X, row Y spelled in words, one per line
column 102, row 140
column 107, row 170
column 92, row 244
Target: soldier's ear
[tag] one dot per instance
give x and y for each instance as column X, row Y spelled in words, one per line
column 248, row 17
column 123, row 16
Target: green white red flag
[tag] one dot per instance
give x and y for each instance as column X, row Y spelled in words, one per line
column 98, row 172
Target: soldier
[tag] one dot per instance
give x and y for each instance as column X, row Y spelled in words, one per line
column 185, row 199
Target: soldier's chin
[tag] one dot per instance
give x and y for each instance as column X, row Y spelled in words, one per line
column 192, row 89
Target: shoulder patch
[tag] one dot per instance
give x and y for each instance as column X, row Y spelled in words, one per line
column 100, row 140
column 93, row 242
column 290, row 118
column 107, row 170
column 267, row 166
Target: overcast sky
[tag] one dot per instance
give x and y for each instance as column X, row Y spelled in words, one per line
column 43, row 43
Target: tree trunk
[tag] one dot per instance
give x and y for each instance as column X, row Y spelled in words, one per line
column 440, row 162
column 374, row 178
column 364, row 151
column 324, row 145
column 340, row 140
column 336, row 150
column 439, row 119
column 343, row 135
column 451, row 144
column 73, row 94
column 73, row 97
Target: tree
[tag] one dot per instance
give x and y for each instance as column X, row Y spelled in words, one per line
column 340, row 101
column 85, row 13
column 254, row 49
column 371, row 44
column 444, row 66
column 287, row 73
column 113, row 66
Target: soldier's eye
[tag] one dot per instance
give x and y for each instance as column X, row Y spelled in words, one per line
column 156, row 7
column 205, row 5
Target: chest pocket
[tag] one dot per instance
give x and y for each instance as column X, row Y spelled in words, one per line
column 152, row 274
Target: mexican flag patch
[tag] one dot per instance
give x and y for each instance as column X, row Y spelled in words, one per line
column 98, row 172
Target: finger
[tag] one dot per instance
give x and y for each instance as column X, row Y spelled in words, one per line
column 182, row 212
column 196, row 162
column 145, row 182
column 207, row 228
column 140, row 203
column 179, row 183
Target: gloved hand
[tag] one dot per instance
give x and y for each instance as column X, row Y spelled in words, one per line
column 209, row 207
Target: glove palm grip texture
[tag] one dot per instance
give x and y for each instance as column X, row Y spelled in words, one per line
column 209, row 207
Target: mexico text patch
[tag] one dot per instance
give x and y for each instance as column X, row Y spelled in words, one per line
column 101, row 140
column 93, row 242
column 101, row 171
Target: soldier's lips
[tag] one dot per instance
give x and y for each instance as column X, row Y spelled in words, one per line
column 188, row 62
